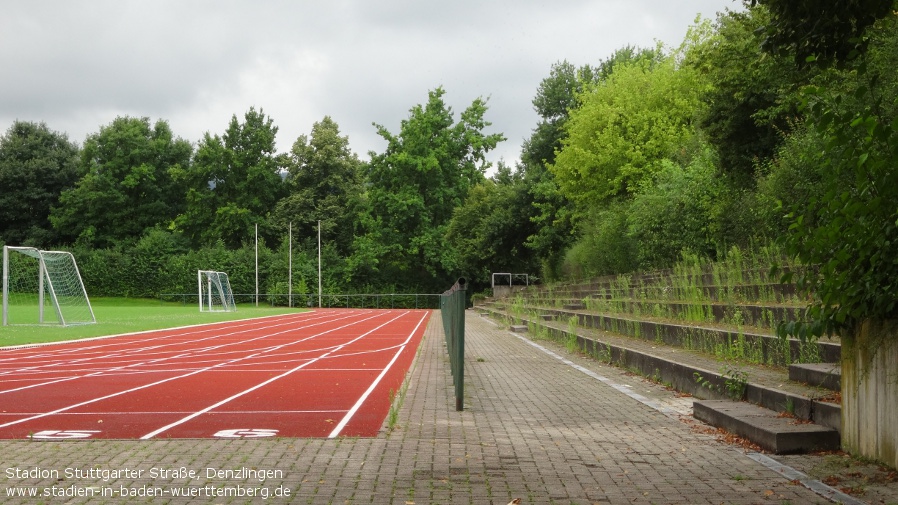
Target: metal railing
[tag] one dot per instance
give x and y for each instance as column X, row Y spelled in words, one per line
column 452, row 310
column 310, row 300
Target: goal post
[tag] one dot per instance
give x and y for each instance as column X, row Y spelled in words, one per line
column 214, row 290
column 43, row 287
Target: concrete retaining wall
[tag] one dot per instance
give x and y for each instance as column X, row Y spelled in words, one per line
column 870, row 395
column 505, row 291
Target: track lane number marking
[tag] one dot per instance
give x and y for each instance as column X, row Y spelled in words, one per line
column 62, row 434
column 246, row 433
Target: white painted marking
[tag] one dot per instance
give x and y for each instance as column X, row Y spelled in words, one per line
column 361, row 400
column 187, row 354
column 269, row 381
column 246, row 433
column 169, row 379
column 62, row 434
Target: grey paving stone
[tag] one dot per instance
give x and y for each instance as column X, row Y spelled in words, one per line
column 533, row 428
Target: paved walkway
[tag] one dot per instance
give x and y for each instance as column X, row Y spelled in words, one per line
column 542, row 427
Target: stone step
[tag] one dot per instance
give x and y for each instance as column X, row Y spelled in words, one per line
column 825, row 375
column 771, row 431
column 701, row 337
column 679, row 371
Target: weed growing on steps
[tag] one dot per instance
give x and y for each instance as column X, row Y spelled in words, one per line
column 809, row 351
column 571, row 340
column 790, row 406
column 734, row 386
column 694, row 283
column 517, row 309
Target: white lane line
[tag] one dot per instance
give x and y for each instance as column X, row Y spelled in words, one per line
column 260, row 385
column 185, row 412
column 62, row 358
column 192, row 353
column 145, row 386
column 63, row 348
column 361, row 400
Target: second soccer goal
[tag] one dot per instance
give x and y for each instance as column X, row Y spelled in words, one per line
column 215, row 292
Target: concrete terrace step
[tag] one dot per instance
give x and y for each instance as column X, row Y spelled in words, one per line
column 697, row 336
column 772, row 431
column 778, row 293
column 672, row 279
column 759, row 315
column 825, row 375
column 680, row 368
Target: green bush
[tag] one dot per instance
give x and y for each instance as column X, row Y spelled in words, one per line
column 678, row 213
column 603, row 247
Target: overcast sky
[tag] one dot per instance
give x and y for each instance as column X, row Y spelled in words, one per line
column 77, row 64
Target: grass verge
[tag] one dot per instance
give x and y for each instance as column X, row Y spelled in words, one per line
column 128, row 315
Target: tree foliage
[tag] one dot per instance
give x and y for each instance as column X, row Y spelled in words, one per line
column 678, row 212
column 36, row 166
column 826, row 31
column 486, row 232
column 752, row 100
column 127, row 186
column 324, row 184
column 415, row 185
column 848, row 234
column 626, row 125
column 234, row 183
column 556, row 97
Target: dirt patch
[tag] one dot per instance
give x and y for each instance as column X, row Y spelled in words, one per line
column 873, row 483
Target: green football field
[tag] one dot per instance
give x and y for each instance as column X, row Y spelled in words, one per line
column 127, row 315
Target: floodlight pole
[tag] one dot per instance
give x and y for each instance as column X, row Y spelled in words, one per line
column 290, row 266
column 319, row 263
column 5, row 285
column 257, row 264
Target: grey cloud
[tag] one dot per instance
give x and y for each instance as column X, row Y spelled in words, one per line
column 76, row 64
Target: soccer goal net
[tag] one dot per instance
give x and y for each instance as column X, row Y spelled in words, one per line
column 43, row 287
column 215, row 292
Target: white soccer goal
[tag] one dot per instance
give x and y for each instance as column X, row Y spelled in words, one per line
column 43, row 287
column 215, row 292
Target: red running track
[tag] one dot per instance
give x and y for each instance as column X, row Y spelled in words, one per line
column 325, row 373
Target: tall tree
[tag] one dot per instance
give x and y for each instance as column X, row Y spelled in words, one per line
column 234, row 183
column 753, row 98
column 626, row 125
column 324, row 183
column 825, row 31
column 848, row 230
column 127, row 185
column 36, row 166
column 557, row 97
column 487, row 232
column 416, row 184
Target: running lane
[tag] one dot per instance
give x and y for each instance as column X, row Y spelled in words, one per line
column 323, row 373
